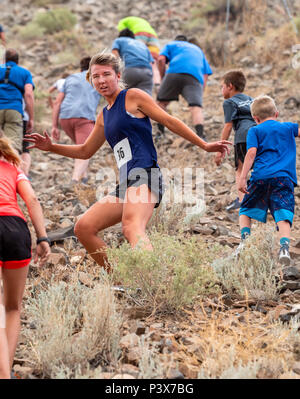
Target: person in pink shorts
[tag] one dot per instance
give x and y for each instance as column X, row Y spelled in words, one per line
column 75, row 110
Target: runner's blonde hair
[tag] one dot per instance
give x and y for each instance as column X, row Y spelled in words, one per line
column 7, row 151
column 263, row 107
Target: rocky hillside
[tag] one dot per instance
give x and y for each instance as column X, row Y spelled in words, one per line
column 193, row 342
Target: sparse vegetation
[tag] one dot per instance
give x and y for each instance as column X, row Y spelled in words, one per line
column 221, row 315
column 31, row 31
column 48, row 22
column 55, row 20
column 253, row 271
column 169, row 278
column 80, row 332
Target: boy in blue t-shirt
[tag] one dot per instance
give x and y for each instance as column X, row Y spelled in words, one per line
column 238, row 117
column 271, row 146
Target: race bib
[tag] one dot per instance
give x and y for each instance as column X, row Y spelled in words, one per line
column 122, row 152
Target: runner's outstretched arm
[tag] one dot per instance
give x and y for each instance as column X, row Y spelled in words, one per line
column 80, row 151
column 149, row 107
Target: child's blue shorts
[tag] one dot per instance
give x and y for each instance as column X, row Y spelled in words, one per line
column 276, row 194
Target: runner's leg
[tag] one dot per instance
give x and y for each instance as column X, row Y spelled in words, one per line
column 4, row 354
column 101, row 215
column 136, row 215
column 13, row 289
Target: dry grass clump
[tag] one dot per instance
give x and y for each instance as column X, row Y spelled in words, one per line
column 169, row 277
column 150, row 363
column 167, row 219
column 74, row 325
column 246, row 347
column 175, row 218
column 252, row 272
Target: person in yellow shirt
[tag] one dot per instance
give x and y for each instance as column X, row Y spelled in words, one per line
column 143, row 31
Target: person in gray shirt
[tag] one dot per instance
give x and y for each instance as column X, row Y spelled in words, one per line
column 238, row 117
column 75, row 110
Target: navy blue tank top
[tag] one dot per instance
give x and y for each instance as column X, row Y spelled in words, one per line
column 129, row 137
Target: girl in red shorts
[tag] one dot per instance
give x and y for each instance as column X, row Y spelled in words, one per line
column 15, row 249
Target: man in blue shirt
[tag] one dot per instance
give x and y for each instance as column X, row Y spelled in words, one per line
column 75, row 110
column 271, row 146
column 137, row 59
column 187, row 75
column 15, row 83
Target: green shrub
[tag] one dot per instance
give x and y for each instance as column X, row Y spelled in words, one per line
column 169, row 277
column 31, row 31
column 42, row 3
column 55, row 20
column 253, row 270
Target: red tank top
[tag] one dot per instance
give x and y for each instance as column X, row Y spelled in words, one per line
column 10, row 176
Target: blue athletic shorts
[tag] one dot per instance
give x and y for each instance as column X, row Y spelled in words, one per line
column 276, row 194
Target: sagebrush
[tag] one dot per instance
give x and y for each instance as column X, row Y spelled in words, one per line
column 171, row 276
column 73, row 325
column 254, row 270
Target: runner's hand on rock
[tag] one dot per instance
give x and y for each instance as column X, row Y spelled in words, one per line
column 42, row 253
column 43, row 143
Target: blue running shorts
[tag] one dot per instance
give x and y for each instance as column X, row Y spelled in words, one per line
column 276, row 194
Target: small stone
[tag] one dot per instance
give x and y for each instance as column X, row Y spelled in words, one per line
column 75, row 259
column 174, row 374
column 133, row 356
column 199, row 229
column 130, row 369
column 105, row 376
column 291, row 285
column 22, row 370
column 257, row 295
column 129, row 341
column 291, row 273
column 123, row 377
column 296, row 368
column 85, row 279
column 78, row 209
column 155, row 336
column 266, row 69
column 211, row 190
column 57, row 259
column 156, row 326
column 140, row 330
column 169, row 344
column 188, row 370
column 66, row 223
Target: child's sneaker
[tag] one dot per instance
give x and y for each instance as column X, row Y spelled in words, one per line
column 284, row 255
column 236, row 204
column 239, row 249
column 241, row 245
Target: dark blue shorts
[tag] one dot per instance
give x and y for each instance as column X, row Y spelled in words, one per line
column 276, row 194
